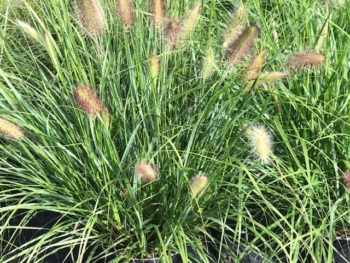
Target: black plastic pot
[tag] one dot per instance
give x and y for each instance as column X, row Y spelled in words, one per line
column 342, row 250
column 176, row 258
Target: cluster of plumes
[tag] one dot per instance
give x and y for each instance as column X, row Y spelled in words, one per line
column 148, row 172
column 90, row 103
column 177, row 32
column 346, row 177
column 10, row 130
column 261, row 142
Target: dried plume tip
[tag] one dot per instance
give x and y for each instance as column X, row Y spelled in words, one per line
column 236, row 25
column 172, row 30
column 198, row 184
column 125, row 10
column 190, row 22
column 255, row 65
column 87, row 100
column 10, row 130
column 261, row 141
column 91, row 16
column 146, row 171
column 346, row 177
column 242, row 45
column 157, row 11
column 307, row 59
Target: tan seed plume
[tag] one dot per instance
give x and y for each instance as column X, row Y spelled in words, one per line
column 30, row 31
column 91, row 16
column 157, row 10
column 272, row 76
column 236, row 26
column 198, row 184
column 190, row 22
column 208, row 63
column 172, row 30
column 146, row 171
column 10, row 131
column 307, row 59
column 255, row 65
column 154, row 66
column 242, row 45
column 125, row 9
column 87, row 100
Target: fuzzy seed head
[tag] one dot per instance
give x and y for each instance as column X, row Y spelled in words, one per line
column 10, row 131
column 30, row 31
column 236, row 27
column 125, row 9
column 307, row 59
column 346, row 177
column 146, row 171
column 157, row 10
column 190, row 22
column 87, row 100
column 198, row 184
column 261, row 142
column 172, row 30
column 91, row 16
column 242, row 45
column 154, row 66
column 272, row 76
column 208, row 63
column 255, row 65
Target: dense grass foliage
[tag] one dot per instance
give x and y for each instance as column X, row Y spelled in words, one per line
column 76, row 171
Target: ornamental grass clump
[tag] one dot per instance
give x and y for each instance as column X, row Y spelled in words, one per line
column 91, row 16
column 10, row 130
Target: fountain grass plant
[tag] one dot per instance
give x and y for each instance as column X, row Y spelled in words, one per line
column 125, row 163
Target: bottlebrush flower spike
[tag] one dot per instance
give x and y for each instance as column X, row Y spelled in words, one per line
column 198, row 184
column 255, row 65
column 154, row 66
column 172, row 30
column 236, row 25
column 208, row 63
column 10, row 131
column 30, row 31
column 190, row 22
column 242, row 45
column 146, row 171
column 91, row 16
column 157, row 10
column 125, row 9
column 106, row 117
column 307, row 59
column 272, row 76
column 262, row 142
column 87, row 100
column 347, row 179
column 323, row 35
